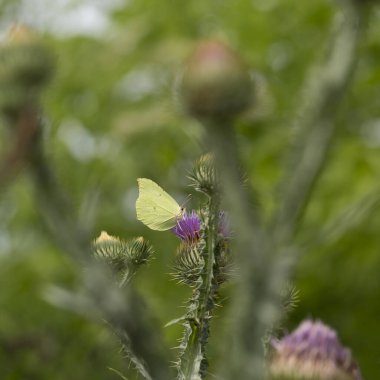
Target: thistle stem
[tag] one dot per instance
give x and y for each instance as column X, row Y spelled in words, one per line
column 27, row 129
column 255, row 300
column 315, row 126
column 209, row 291
column 124, row 310
column 193, row 361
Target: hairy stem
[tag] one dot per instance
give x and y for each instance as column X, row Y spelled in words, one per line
column 349, row 219
column 124, row 310
column 193, row 361
column 315, row 125
column 27, row 130
column 208, row 292
column 263, row 265
column 254, row 307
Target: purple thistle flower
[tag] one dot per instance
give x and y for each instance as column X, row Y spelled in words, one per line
column 188, row 227
column 312, row 351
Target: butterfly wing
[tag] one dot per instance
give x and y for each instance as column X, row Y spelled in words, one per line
column 155, row 207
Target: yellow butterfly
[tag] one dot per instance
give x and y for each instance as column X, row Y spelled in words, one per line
column 155, row 207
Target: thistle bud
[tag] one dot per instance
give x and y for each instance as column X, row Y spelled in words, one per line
column 20, row 34
column 25, row 66
column 215, row 84
column 188, row 265
column 312, row 352
column 123, row 257
column 204, row 177
column 24, row 59
column 104, row 237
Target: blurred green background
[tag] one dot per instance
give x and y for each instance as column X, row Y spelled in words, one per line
column 112, row 116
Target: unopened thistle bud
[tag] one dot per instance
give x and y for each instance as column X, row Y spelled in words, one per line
column 24, row 58
column 104, row 237
column 204, row 177
column 123, row 257
column 215, row 84
column 188, row 265
column 312, row 352
column 26, row 65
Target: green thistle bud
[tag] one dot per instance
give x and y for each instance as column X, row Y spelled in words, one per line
column 203, row 177
column 25, row 65
column 188, row 265
column 24, row 59
column 123, row 257
column 215, row 84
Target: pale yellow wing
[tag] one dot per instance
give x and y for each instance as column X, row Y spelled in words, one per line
column 155, row 207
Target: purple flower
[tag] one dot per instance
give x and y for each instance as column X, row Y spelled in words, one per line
column 188, row 227
column 312, row 351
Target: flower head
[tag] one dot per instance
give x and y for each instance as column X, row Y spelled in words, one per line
column 312, row 351
column 215, row 83
column 188, row 227
column 105, row 237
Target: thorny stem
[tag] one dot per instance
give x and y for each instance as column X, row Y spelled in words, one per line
column 254, row 306
column 256, row 299
column 195, row 353
column 122, row 310
column 347, row 220
column 55, row 208
column 26, row 132
column 315, row 125
column 208, row 293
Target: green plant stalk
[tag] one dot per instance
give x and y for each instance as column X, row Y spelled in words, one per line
column 192, row 357
column 256, row 301
column 255, row 305
column 315, row 126
column 26, row 127
column 193, row 360
column 121, row 309
column 208, row 292
column 349, row 219
column 139, row 364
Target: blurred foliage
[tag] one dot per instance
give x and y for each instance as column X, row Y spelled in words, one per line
column 111, row 117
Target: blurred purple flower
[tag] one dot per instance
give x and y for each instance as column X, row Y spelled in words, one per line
column 312, row 351
column 188, row 227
